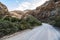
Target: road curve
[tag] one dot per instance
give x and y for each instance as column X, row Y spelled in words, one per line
column 44, row 32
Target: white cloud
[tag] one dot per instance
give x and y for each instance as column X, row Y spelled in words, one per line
column 30, row 5
column 23, row 6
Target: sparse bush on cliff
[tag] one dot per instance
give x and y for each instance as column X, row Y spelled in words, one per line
column 57, row 21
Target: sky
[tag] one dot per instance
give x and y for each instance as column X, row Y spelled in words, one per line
column 22, row 4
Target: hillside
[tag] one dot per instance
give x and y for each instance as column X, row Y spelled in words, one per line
column 46, row 11
column 14, row 21
column 45, row 18
column 3, row 10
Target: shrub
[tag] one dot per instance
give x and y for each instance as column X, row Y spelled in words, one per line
column 29, row 22
column 33, row 21
column 11, row 25
column 12, row 19
column 6, row 28
column 57, row 21
column 24, row 24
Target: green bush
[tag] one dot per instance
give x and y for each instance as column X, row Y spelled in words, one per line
column 12, row 19
column 9, row 25
column 29, row 22
column 33, row 21
column 57, row 21
column 6, row 28
column 24, row 24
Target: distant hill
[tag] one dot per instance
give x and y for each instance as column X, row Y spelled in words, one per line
column 15, row 13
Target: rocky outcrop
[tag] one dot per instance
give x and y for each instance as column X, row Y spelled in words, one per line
column 44, row 12
column 47, row 10
column 3, row 10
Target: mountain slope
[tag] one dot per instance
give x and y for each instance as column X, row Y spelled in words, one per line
column 47, row 11
column 3, row 9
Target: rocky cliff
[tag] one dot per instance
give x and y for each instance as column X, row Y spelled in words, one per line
column 3, row 10
column 44, row 12
column 48, row 10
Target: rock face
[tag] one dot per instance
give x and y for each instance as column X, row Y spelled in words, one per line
column 47, row 10
column 3, row 9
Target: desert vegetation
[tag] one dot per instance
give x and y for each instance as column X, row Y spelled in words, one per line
column 10, row 25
